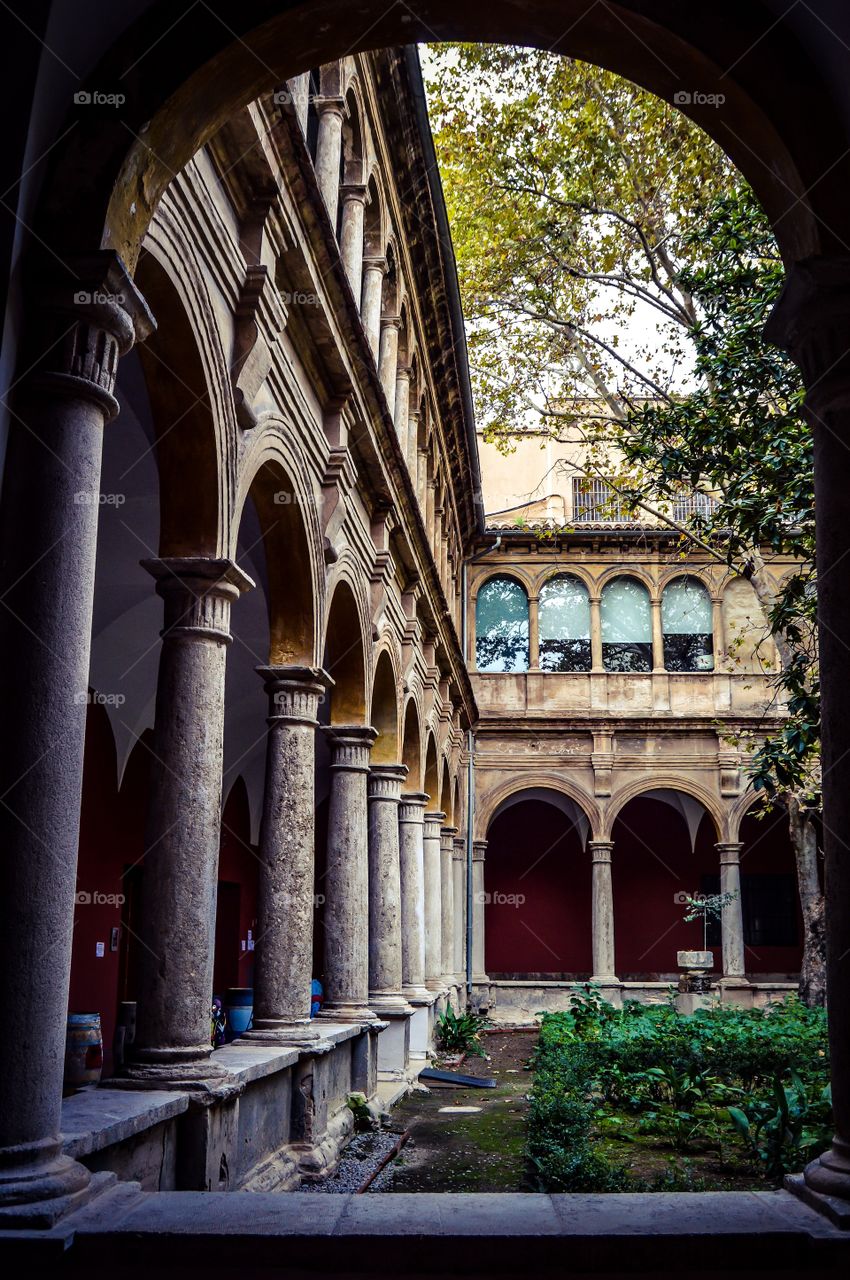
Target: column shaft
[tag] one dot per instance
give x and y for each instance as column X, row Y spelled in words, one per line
column 412, row 861
column 402, row 405
column 533, row 634
column 447, row 842
column 351, row 235
column 347, row 877
column 388, row 357
column 329, row 151
column 657, row 637
column 385, row 930
column 283, row 960
column 433, row 901
column 732, row 917
column 603, row 911
column 374, row 270
column 479, row 898
column 596, row 662
column 49, row 525
column 180, row 870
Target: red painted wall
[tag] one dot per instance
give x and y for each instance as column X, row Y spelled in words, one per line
column 237, row 894
column 652, row 866
column 538, row 877
column 767, row 849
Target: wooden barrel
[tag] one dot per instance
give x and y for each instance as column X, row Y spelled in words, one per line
column 83, row 1050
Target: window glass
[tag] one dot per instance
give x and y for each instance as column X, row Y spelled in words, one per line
column 564, row 625
column 626, row 626
column 686, row 623
column 501, row 626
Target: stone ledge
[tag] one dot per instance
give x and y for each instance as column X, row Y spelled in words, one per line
column 98, row 1118
column 245, row 1062
column 677, row 1234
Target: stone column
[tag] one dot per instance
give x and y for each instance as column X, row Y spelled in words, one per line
column 657, row 637
column 388, row 356
column 180, row 869
column 401, row 408
column 351, row 234
column 412, row 443
column 732, row 917
column 330, row 111
column 283, row 961
column 347, row 877
column 603, row 912
column 422, row 479
column 596, row 662
column 479, row 898
column 433, row 901
column 411, row 855
column 459, row 876
column 385, row 929
column 533, row 634
column 48, row 547
column 447, row 883
column 374, row 270
column 299, row 87
column 717, row 627
column 811, row 321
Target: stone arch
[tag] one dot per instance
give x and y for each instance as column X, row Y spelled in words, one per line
column 487, row 808
column 665, row 782
column 374, row 229
column 520, row 576
column 384, row 712
column 739, row 810
column 411, row 751
column 431, row 781
column 636, row 574
column 539, row 580
column 184, row 370
column 447, row 794
column 274, row 480
column 345, row 654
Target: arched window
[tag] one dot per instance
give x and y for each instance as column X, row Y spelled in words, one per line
column 501, row 626
column 686, row 623
column 564, row 623
column 626, row 626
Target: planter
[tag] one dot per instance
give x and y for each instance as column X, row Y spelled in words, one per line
column 695, row 959
column 238, row 1004
column 83, row 1050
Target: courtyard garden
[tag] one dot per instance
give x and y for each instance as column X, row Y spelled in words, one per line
column 643, row 1098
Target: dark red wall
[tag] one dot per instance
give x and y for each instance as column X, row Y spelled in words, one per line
column 237, row 894
column 767, row 849
column 534, row 853
column 652, row 866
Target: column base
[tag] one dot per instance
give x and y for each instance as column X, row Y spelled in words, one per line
column 274, row 1031
column 170, row 1069
column 43, row 1215
column 344, row 1012
column 736, row 989
column 418, row 995
column 39, row 1185
column 609, row 987
column 389, row 1004
column 834, row 1207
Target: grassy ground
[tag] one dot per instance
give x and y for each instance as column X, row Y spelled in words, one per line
column 482, row 1151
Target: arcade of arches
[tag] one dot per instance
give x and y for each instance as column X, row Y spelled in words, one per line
column 284, row 708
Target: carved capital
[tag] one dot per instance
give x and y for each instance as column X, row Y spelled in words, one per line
column 198, row 592
column 412, row 807
column 294, row 693
column 351, row 745
column 88, row 324
column 385, row 781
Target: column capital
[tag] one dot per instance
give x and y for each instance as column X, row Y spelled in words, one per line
column 729, row 852
column 350, row 745
column 811, row 322
column 434, row 818
column 198, row 592
column 329, row 104
column 459, row 851
column 479, row 850
column 385, row 781
column 89, row 322
column 375, row 262
column 391, row 322
column 294, row 692
column 601, row 850
column 412, row 806
column 351, row 192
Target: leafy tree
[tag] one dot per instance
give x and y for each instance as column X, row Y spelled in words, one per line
column 616, row 274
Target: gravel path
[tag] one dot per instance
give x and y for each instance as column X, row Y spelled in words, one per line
column 363, row 1154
